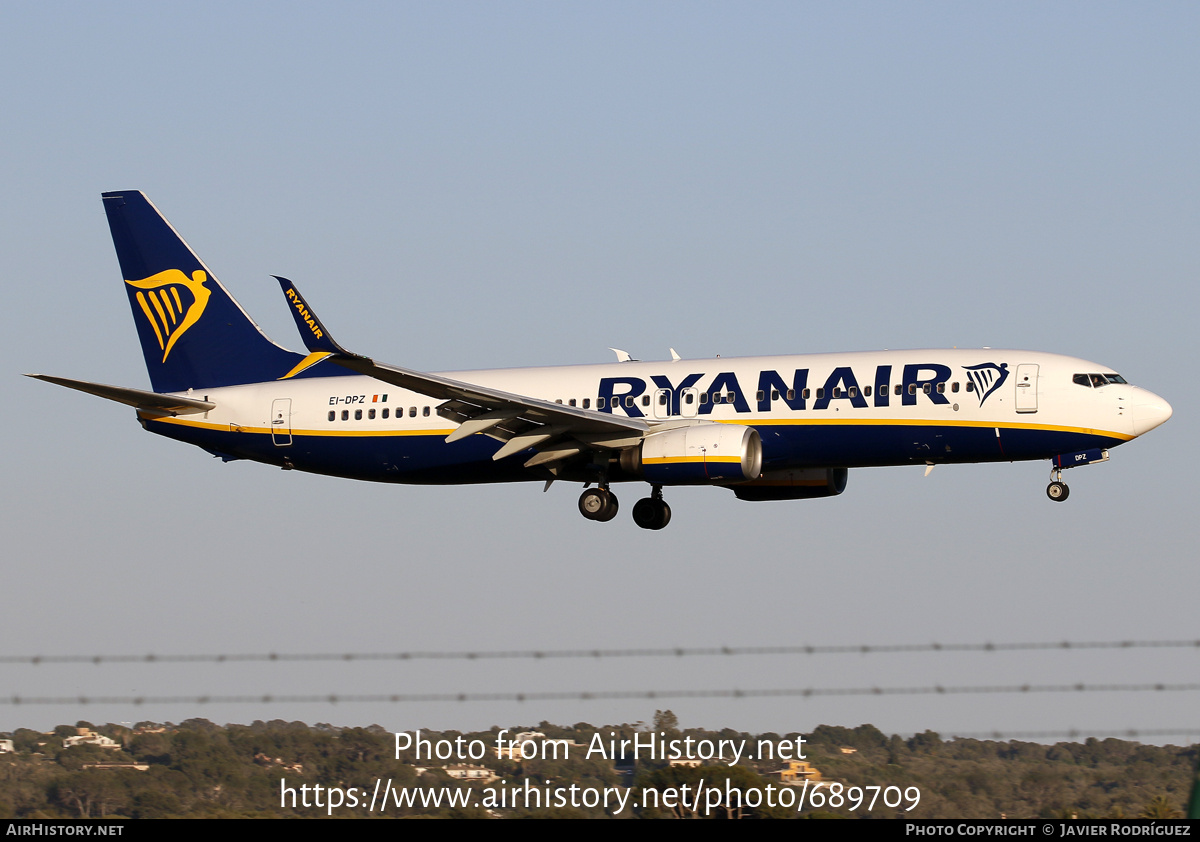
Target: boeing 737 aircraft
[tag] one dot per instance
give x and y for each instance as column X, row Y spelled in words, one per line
column 766, row 428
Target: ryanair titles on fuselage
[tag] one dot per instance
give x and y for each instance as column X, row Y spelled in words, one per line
column 842, row 384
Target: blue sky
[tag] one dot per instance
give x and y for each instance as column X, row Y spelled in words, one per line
column 490, row 185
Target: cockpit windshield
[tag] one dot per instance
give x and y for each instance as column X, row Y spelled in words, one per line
column 1096, row 380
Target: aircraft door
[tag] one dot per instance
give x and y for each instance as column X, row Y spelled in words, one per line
column 688, row 406
column 689, row 402
column 662, row 403
column 1027, row 387
column 281, row 421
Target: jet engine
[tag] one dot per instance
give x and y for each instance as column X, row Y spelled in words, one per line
column 798, row 484
column 697, row 454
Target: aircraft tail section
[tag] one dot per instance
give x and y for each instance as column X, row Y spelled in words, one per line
column 193, row 334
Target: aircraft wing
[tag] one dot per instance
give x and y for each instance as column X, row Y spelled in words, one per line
column 556, row 431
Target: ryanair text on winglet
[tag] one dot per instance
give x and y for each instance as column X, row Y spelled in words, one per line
column 302, row 309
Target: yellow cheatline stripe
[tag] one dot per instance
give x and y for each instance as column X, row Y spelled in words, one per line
column 905, row 422
column 186, row 422
column 670, row 460
column 141, row 299
column 309, row 361
column 208, row 425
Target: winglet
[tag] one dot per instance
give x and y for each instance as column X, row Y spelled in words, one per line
column 314, row 335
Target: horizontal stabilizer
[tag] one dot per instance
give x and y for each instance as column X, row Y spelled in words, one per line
column 148, row 401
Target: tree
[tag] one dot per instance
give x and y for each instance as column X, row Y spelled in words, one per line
column 665, row 720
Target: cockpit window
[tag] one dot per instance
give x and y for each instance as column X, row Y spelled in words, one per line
column 1096, row 380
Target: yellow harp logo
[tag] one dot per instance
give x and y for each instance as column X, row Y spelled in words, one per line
column 169, row 313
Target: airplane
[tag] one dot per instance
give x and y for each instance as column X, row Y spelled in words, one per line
column 766, row 428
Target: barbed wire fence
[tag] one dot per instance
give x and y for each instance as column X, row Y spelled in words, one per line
column 15, row 700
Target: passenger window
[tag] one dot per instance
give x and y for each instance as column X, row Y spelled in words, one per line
column 927, row 388
column 853, row 391
column 774, row 395
column 345, row 415
column 358, row 415
column 837, row 391
column 731, row 397
column 559, row 401
column 866, row 391
column 791, row 394
column 645, row 400
column 689, row 398
column 941, row 388
column 571, row 402
column 820, row 392
column 371, row 414
column 912, row 388
column 425, row 412
column 662, row 398
column 970, row 386
column 761, row 395
column 807, row 392
column 629, row 400
column 332, row 415
column 412, row 412
column 954, row 386
column 703, row 398
column 899, row 389
column 600, row 403
column 385, row 412
column 587, row 403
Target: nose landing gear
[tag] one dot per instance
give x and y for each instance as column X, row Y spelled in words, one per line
column 1057, row 490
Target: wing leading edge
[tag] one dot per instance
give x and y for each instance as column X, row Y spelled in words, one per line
column 556, row 431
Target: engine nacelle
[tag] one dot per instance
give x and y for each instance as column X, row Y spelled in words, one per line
column 699, row 454
column 800, row 484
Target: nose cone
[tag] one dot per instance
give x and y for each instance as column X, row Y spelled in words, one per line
column 1149, row 410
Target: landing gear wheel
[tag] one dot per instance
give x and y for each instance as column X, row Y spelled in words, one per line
column 598, row 504
column 610, row 511
column 649, row 513
column 1057, row 491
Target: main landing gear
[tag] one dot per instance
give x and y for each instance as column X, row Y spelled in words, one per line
column 600, row 504
column 652, row 512
column 1057, row 490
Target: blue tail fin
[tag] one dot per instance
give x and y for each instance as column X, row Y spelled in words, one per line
column 194, row 335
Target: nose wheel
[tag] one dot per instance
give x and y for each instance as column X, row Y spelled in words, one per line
column 1057, row 490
